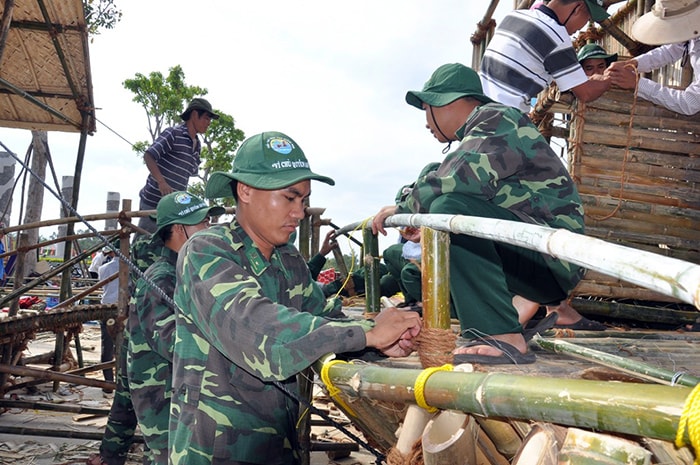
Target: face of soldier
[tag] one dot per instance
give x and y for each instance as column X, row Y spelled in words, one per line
column 593, row 66
column 271, row 216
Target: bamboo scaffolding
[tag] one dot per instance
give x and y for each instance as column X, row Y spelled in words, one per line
column 637, row 409
column 56, row 319
column 638, row 369
column 665, row 275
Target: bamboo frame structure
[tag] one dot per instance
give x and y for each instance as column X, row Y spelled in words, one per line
column 666, row 275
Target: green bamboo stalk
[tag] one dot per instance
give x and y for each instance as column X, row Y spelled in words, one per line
column 435, row 276
column 649, row 410
column 638, row 369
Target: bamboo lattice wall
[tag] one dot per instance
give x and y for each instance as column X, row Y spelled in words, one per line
column 640, row 186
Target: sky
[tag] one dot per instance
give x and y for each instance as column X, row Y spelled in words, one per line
column 331, row 75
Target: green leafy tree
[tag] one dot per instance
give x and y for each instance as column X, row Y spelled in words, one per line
column 164, row 98
column 101, row 14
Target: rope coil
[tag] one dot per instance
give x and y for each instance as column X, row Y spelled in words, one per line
column 419, row 385
column 690, row 422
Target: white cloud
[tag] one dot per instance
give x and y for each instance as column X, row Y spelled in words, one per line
column 332, row 75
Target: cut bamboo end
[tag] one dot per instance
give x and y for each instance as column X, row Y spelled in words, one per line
column 541, row 446
column 585, row 447
column 450, row 437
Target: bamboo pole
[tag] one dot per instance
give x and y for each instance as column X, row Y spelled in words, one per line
column 627, row 408
column 638, row 369
column 52, row 433
column 663, row 274
column 55, row 376
column 612, row 309
column 68, row 408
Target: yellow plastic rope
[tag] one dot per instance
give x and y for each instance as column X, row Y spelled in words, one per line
column 419, row 385
column 690, row 421
column 333, row 391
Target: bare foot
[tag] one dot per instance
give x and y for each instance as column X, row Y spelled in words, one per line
column 567, row 314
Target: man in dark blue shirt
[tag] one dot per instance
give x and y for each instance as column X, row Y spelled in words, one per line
column 174, row 157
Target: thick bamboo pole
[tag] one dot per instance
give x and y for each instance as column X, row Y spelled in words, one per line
column 666, row 275
column 435, row 278
column 638, row 369
column 628, row 408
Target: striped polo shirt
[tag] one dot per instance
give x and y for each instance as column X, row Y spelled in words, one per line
column 528, row 51
column 177, row 157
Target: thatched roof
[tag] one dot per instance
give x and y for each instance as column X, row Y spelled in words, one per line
column 45, row 80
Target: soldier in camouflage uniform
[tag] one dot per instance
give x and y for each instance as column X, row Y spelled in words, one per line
column 151, row 323
column 249, row 314
column 503, row 168
column 122, row 421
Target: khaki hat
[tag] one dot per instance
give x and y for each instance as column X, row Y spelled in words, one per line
column 448, row 83
column 589, row 51
column 183, row 208
column 668, row 22
column 201, row 105
column 269, row 161
column 597, row 10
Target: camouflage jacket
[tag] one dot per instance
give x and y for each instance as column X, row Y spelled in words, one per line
column 149, row 362
column 503, row 158
column 121, row 424
column 241, row 322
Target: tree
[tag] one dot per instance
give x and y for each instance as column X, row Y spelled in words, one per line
column 100, row 14
column 164, row 98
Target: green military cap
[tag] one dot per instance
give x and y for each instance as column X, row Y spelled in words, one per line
column 597, row 10
column 183, row 208
column 448, row 83
column 269, row 161
column 589, row 51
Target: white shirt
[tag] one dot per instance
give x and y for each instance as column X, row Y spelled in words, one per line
column 687, row 101
column 528, row 51
column 97, row 261
column 110, row 292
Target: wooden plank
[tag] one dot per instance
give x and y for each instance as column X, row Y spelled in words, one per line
column 681, row 161
column 653, row 199
column 642, row 138
column 606, row 199
column 690, row 196
column 631, row 221
column 622, row 120
column 641, row 171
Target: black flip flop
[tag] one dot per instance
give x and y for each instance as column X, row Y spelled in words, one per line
column 510, row 354
column 541, row 326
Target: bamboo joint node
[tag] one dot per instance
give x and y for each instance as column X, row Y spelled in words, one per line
column 333, row 390
column 419, row 385
column 690, row 422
